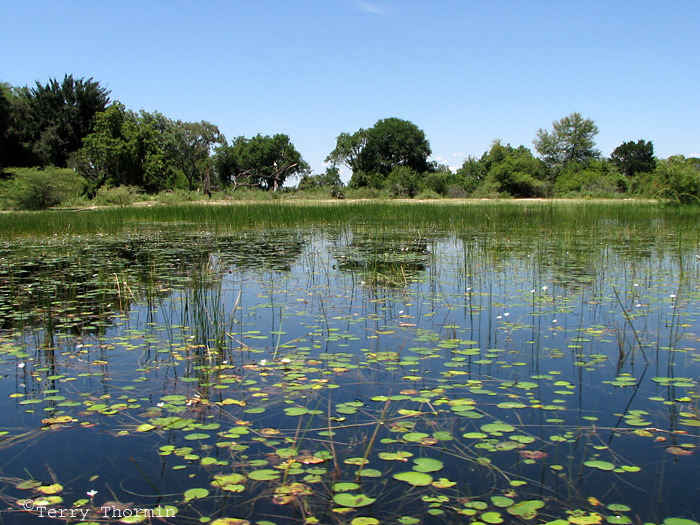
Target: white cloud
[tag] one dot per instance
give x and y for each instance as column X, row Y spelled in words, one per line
column 457, row 154
column 371, row 8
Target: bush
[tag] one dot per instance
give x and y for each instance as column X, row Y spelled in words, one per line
column 596, row 179
column 457, row 192
column 403, row 182
column 428, row 194
column 40, row 188
column 679, row 180
column 120, row 196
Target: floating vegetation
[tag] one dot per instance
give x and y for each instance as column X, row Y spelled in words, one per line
column 533, row 363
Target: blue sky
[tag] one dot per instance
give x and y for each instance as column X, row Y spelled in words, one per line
column 466, row 72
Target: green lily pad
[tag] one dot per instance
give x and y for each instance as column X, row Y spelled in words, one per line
column 264, row 475
column 501, row 501
column 346, row 499
column 196, row 493
column 679, row 521
column 493, row 518
column 601, row 465
column 526, row 509
column 427, row 465
column 345, row 487
column 417, row 479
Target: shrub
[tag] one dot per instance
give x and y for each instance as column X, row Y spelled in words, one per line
column 595, row 179
column 428, row 194
column 41, row 188
column 457, row 192
column 403, row 182
column 121, row 196
column 679, row 180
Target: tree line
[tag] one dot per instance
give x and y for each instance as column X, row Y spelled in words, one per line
column 69, row 134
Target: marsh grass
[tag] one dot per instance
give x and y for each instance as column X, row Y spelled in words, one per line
column 506, row 216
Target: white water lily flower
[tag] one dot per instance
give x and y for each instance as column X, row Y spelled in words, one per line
column 91, row 493
column 286, row 361
column 263, row 362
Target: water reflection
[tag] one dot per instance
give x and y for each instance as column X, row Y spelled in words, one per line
column 564, row 359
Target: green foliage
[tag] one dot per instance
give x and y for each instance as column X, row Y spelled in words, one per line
column 427, row 193
column 263, row 161
column 389, row 144
column 470, row 176
column 571, row 140
column 117, row 196
column 632, row 158
column 678, row 180
column 329, row 179
column 596, row 178
column 438, row 182
column 190, row 144
column 126, row 149
column 39, row 188
column 59, row 115
column 395, row 142
column 504, row 171
column 361, row 179
column 403, row 182
column 348, row 149
column 15, row 146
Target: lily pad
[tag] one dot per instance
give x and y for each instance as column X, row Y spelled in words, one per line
column 346, row 499
column 417, row 479
column 427, row 465
column 526, row 509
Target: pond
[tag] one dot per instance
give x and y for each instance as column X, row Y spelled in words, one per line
column 534, row 364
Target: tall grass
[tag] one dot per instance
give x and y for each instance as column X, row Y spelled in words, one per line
column 483, row 215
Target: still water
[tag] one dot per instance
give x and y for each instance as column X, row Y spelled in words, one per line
column 352, row 374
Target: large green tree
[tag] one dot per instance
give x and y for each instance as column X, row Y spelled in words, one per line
column 15, row 140
column 190, row 145
column 263, row 161
column 374, row 153
column 348, row 149
column 58, row 115
column 513, row 171
column 572, row 140
column 634, row 157
column 125, row 149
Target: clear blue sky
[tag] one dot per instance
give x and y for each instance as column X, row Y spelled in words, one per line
column 465, row 71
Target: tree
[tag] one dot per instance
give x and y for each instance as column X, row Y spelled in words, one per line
column 329, row 179
column 348, row 149
column 390, row 143
column 571, row 140
column 632, row 158
column 394, row 142
column 679, row 179
column 15, row 145
column 263, row 161
column 513, row 171
column 190, row 146
column 60, row 115
column 125, row 149
column 41, row 188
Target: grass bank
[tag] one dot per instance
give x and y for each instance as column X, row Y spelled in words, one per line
column 506, row 214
